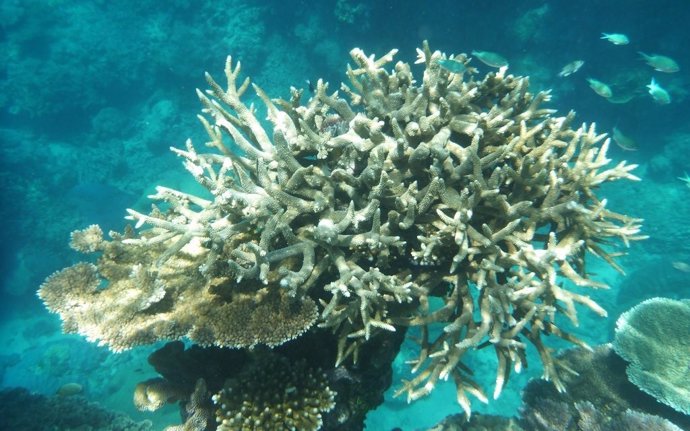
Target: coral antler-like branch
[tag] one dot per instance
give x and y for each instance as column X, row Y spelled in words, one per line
column 460, row 203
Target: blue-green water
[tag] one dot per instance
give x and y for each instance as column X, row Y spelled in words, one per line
column 93, row 94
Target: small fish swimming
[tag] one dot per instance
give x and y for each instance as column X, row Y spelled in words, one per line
column 571, row 68
column 453, row 66
column 660, row 63
column 685, row 178
column 621, row 98
column 616, row 38
column 626, row 143
column 69, row 389
column 490, row 58
column 600, row 88
column 659, row 95
column 681, row 266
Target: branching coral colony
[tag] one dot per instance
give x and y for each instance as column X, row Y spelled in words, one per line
column 458, row 204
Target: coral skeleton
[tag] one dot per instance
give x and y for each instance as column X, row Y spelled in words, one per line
column 453, row 202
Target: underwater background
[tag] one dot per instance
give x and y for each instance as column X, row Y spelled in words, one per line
column 93, row 94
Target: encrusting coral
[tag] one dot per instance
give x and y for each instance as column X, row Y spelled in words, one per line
column 455, row 202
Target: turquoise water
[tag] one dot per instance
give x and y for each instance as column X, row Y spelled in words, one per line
column 93, row 94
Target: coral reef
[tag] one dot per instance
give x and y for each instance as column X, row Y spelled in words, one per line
column 73, row 31
column 458, row 203
column 653, row 337
column 357, row 389
column 25, row 411
column 596, row 378
column 598, row 396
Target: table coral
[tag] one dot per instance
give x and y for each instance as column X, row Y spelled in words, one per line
column 598, row 396
column 653, row 337
column 452, row 201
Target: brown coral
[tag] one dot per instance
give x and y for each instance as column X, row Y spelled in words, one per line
column 152, row 394
column 274, row 394
column 140, row 306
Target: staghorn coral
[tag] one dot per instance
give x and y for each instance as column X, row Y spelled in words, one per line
column 598, row 397
column 274, row 393
column 455, row 189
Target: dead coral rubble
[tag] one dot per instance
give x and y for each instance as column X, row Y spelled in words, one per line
column 360, row 214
